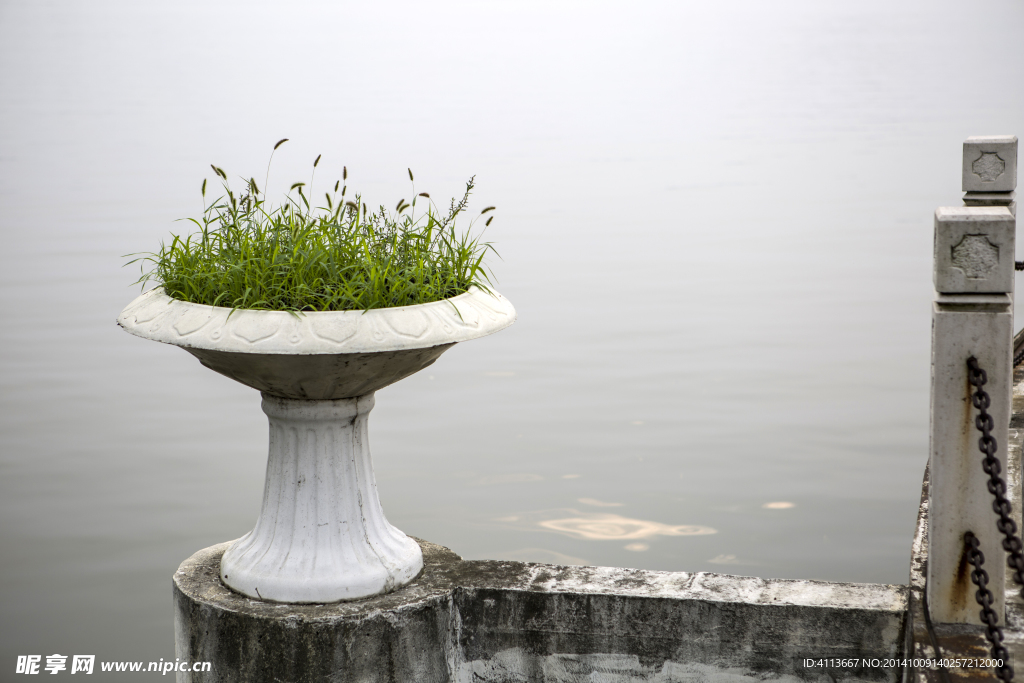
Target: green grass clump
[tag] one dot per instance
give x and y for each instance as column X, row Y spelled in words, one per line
column 336, row 257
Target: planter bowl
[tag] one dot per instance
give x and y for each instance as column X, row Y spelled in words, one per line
column 317, row 355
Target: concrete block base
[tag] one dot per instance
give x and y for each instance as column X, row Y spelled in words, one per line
column 401, row 636
column 483, row 621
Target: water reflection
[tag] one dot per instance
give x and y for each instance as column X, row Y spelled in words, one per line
column 595, row 526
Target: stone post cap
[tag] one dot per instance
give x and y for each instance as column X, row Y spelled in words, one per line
column 974, row 250
column 990, row 163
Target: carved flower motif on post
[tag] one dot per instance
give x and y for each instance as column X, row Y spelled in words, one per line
column 988, row 166
column 976, row 256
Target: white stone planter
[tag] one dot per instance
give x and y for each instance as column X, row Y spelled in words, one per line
column 321, row 535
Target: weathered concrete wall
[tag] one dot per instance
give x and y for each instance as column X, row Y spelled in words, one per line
column 546, row 623
column 475, row 622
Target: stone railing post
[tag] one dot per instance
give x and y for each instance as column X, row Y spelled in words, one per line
column 972, row 316
column 990, row 171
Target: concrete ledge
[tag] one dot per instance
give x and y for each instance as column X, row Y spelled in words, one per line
column 653, row 626
column 480, row 621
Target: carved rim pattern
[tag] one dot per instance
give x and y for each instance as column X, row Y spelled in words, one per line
column 158, row 317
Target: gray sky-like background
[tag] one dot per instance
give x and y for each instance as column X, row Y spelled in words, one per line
column 715, row 221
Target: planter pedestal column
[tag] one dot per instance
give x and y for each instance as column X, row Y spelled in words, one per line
column 321, row 536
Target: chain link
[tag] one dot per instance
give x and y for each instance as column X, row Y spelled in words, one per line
column 1018, row 265
column 988, row 616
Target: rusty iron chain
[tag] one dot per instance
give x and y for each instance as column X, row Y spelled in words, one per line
column 1019, row 358
column 990, row 464
column 984, row 597
column 988, row 445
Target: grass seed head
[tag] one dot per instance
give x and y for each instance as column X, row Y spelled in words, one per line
column 295, row 257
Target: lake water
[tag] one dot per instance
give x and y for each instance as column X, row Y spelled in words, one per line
column 715, row 221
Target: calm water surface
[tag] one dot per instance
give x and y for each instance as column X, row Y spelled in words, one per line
column 715, row 223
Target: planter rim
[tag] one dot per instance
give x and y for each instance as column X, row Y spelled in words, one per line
column 156, row 316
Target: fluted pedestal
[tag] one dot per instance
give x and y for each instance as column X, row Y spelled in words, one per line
column 321, row 536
